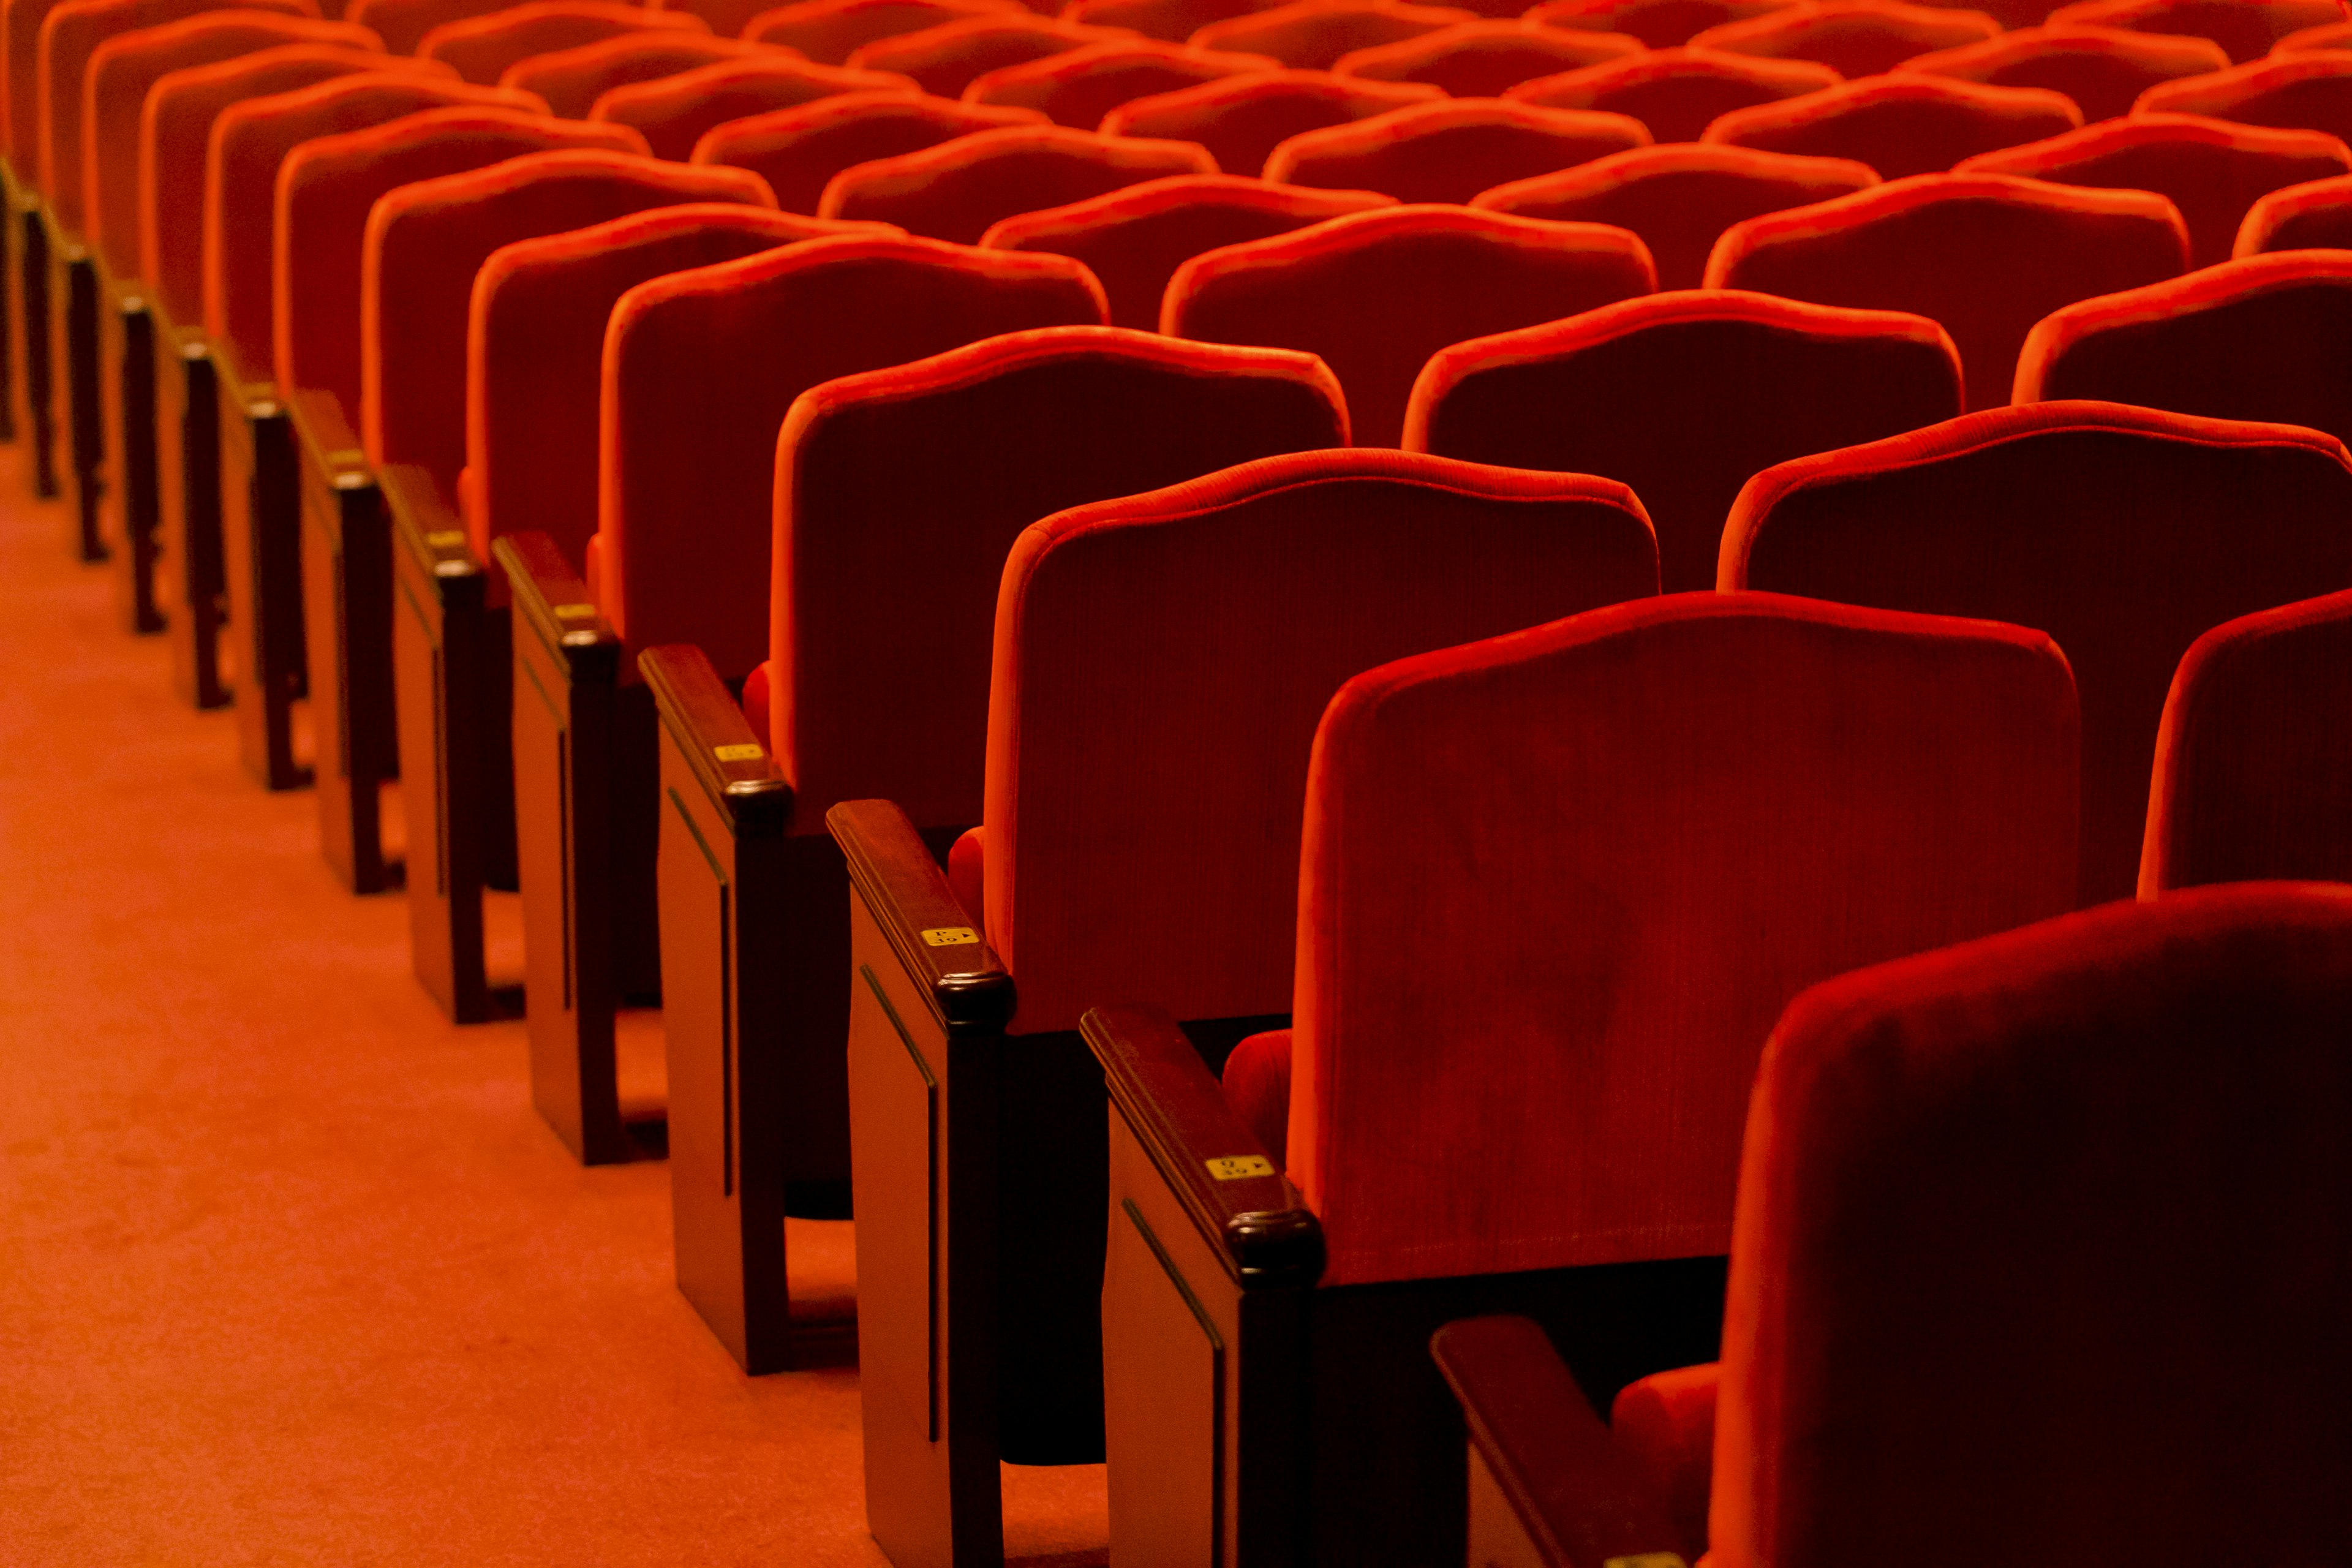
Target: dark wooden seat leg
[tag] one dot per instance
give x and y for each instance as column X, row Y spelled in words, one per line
column 30, row 386
column 187, row 505
column 12, row 358
column 127, row 433
column 260, row 500
column 74, row 361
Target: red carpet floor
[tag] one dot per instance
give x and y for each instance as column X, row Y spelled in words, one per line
column 290, row 1271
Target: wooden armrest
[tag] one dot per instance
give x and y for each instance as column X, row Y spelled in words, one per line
column 1250, row 1216
column 554, row 604
column 1582, row 1502
column 327, row 440
column 731, row 764
column 427, row 524
column 907, row 895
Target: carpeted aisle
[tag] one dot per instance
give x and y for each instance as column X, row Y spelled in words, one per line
column 290, row 1271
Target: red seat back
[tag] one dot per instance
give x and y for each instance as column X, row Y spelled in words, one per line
column 1623, row 390
column 2316, row 215
column 1241, row 120
column 1945, row 1290
column 1854, row 37
column 1555, row 886
column 2103, row 69
column 946, row 58
column 1450, row 151
column 1679, row 198
column 1955, row 247
column 726, row 18
column 673, row 112
column 2299, row 92
column 955, row 190
column 1901, row 125
column 1171, row 21
column 402, row 23
column 480, row 48
column 1311, row 34
column 1013, row 429
column 1479, row 59
column 1134, row 240
column 2244, row 28
column 1677, row 93
column 799, row 151
column 1078, row 86
column 1322, row 565
column 1377, row 293
column 1660, row 23
column 2313, row 40
column 571, row 80
column 2124, row 533
column 830, row 31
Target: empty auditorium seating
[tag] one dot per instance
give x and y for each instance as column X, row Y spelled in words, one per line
column 1901, row 125
column 2251, row 774
column 1310, row 34
column 571, row 80
column 1984, row 254
column 2244, row 28
column 798, row 151
column 2313, row 216
column 2124, row 532
column 1660, row 23
column 1479, row 59
column 830, row 31
column 2302, row 92
column 1676, row 92
column 1450, row 151
column 1242, row 119
column 1852, row 37
column 946, row 58
column 673, row 112
column 1881, row 1397
column 1376, row 293
column 2103, row 69
column 955, row 190
column 2212, row 170
column 1683, row 396
column 1584, row 831
column 1679, row 198
column 480, row 48
column 1080, row 86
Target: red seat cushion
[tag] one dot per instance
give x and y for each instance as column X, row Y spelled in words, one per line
column 1901, row 125
column 798, row 151
column 1677, row 93
column 1854, row 37
column 2103, row 69
column 1665, row 1424
column 1450, row 151
column 1256, row 1082
column 955, row 190
column 1241, row 120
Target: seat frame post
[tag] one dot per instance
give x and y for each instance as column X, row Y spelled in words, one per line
column 129, row 504
column 29, row 369
column 261, row 524
column 11, row 356
column 188, row 515
column 75, row 402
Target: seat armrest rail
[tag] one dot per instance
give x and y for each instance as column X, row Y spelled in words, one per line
column 555, row 605
column 733, row 767
column 328, row 440
column 908, row 893
column 429, row 526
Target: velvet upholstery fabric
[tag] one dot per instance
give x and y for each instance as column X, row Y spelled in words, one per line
column 2124, row 532
column 479, row 49
column 2103, row 69
column 1376, row 293
column 426, row 241
column 1614, row 847
column 2211, row 170
column 2244, row 28
column 2253, row 759
column 2300, row 92
column 1450, row 151
column 1985, row 255
column 250, row 143
column 1854, row 37
column 2267, row 338
column 830, row 31
column 1078, row 86
column 1243, row 118
column 1310, row 34
column 955, row 190
column 2320, row 40
column 726, row 18
column 672, row 113
column 1170, row 21
column 1257, row 1087
column 1479, row 59
column 1665, row 1425
column 1900, row 125
column 114, row 92
column 2316, row 215
column 1677, row 93
column 325, row 190
column 699, row 370
column 402, row 23
column 799, row 151
column 1013, row 429
column 1161, row 662
column 945, row 58
column 2041, row 1250
column 1133, row 240
column 571, row 80
column 1683, row 396
column 1679, row 198
column 1660, row 23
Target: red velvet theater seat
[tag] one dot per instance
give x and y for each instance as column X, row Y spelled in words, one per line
column 2300, row 92
column 946, row 58
column 955, row 190
column 1450, row 151
column 2124, row 532
column 402, row 23
column 885, row 578
column 1852, row 37
column 1943, row 1293
column 1078, row 86
column 830, row 31
column 1676, row 92
column 673, row 112
column 1134, row 240
column 1479, row 59
column 2244, row 28
column 2253, row 762
column 726, row 18
column 2266, row 338
column 1170, row 21
column 571, row 80
column 2212, row 170
column 1901, row 125
column 1375, row 294
column 2103, row 69
column 480, row 48
column 1243, row 118
column 1985, row 255
column 1310, row 34
column 1683, row 396
column 2313, row 216
column 1618, row 845
column 1660, row 23
column 1679, row 198
column 2327, row 36
column 798, row 151
column 1318, row 564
